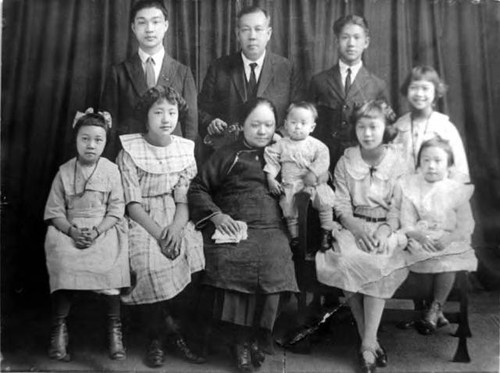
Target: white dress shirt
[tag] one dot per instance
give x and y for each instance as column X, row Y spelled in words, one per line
column 157, row 61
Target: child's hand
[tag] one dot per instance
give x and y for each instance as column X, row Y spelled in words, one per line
column 363, row 240
column 310, row 179
column 225, row 224
column 274, row 187
column 170, row 242
column 426, row 243
column 444, row 241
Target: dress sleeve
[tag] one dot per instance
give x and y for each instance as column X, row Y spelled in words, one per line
column 461, row 167
column 343, row 200
column 182, row 186
column 321, row 163
column 408, row 215
column 130, row 178
column 56, row 203
column 204, row 187
column 465, row 219
column 116, row 202
column 394, row 212
column 272, row 156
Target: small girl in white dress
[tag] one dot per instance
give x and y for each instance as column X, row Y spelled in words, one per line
column 437, row 218
column 302, row 160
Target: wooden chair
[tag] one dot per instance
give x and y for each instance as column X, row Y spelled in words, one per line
column 417, row 287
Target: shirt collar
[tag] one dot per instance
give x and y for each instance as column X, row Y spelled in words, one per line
column 259, row 62
column 157, row 57
column 354, row 68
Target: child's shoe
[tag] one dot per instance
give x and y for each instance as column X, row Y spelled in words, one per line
column 59, row 340
column 115, row 340
column 326, row 240
column 429, row 323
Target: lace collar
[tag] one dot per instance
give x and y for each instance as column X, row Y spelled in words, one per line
column 389, row 167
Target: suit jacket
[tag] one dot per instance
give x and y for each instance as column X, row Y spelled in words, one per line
column 224, row 88
column 126, row 83
column 335, row 108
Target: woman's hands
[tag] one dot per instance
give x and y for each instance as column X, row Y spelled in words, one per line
column 170, row 241
column 425, row 241
column 225, row 224
column 83, row 237
column 363, row 239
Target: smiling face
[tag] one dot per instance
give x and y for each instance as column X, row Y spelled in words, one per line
column 259, row 126
column 352, row 42
column 370, row 132
column 421, row 94
column 253, row 33
column 299, row 123
column 149, row 27
column 162, row 119
column 90, row 142
column 434, row 164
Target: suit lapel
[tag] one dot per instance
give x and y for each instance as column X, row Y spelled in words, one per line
column 167, row 72
column 334, row 81
column 266, row 74
column 238, row 76
column 136, row 73
column 357, row 87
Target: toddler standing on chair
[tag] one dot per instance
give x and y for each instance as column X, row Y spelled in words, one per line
column 301, row 160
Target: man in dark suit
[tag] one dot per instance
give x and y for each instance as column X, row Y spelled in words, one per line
column 150, row 66
column 252, row 72
column 338, row 90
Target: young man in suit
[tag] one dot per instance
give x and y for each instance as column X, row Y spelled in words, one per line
column 251, row 72
column 347, row 84
column 150, row 66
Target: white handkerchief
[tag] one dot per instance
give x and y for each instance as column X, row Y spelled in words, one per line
column 221, row 237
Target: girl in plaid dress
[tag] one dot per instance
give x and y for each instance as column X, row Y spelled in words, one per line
column 165, row 249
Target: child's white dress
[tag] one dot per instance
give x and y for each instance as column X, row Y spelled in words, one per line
column 436, row 209
column 411, row 136
column 367, row 191
column 104, row 265
column 295, row 159
column 157, row 178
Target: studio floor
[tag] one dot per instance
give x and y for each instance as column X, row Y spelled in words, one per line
column 25, row 339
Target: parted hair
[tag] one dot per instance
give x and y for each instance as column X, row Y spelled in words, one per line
column 375, row 109
column 437, row 142
column 90, row 119
column 250, row 105
column 250, row 10
column 350, row 19
column 143, row 4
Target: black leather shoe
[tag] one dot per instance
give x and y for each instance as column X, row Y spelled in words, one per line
column 59, row 340
column 243, row 357
column 155, row 356
column 326, row 240
column 381, row 357
column 115, row 340
column 366, row 366
column 256, row 354
column 183, row 348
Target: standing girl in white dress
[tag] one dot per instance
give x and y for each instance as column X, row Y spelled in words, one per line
column 423, row 87
column 165, row 249
column 437, row 218
column 86, row 243
column 367, row 259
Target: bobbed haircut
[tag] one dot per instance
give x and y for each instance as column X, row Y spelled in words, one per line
column 248, row 107
column 251, row 10
column 375, row 109
column 437, row 142
column 350, row 19
column 158, row 94
column 428, row 73
column 143, row 4
column 303, row 105
column 90, row 119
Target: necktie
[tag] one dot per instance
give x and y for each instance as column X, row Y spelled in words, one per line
column 347, row 84
column 252, row 83
column 150, row 73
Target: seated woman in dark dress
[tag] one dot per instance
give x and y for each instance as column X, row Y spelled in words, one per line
column 246, row 278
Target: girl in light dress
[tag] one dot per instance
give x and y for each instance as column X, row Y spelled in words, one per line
column 165, row 249
column 86, row 244
column 367, row 259
column 437, row 218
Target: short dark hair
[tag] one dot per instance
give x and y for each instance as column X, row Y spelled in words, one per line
column 303, row 105
column 437, row 142
column 375, row 109
column 423, row 72
column 143, row 4
column 250, row 10
column 353, row 19
column 90, row 119
column 250, row 105
column 158, row 94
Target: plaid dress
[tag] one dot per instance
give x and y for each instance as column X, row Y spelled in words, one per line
column 158, row 178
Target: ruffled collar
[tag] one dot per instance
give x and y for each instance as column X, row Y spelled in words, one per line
column 388, row 168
